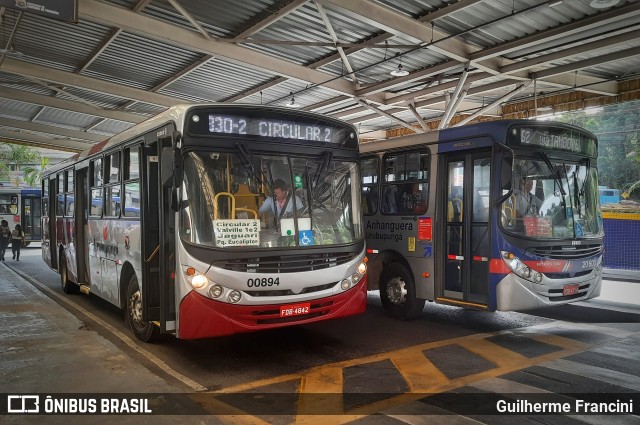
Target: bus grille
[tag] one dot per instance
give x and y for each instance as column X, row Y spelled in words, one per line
column 555, row 295
column 285, row 292
column 285, row 263
column 567, row 252
column 567, row 275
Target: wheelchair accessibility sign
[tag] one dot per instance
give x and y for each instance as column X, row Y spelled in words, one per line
column 305, row 237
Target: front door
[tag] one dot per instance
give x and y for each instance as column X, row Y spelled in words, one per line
column 466, row 239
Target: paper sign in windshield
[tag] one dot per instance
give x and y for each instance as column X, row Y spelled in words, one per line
column 237, row 232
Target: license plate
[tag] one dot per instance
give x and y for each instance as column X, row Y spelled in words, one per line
column 570, row 289
column 295, row 309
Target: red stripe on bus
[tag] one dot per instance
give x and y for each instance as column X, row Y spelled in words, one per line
column 496, row 265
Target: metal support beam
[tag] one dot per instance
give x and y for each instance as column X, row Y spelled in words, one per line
column 493, row 104
column 14, row 136
column 384, row 114
column 418, row 118
column 51, row 129
column 334, row 37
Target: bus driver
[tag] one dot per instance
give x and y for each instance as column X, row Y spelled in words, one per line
column 283, row 202
column 526, row 202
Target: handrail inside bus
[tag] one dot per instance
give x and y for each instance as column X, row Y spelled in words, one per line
column 233, row 206
column 153, row 254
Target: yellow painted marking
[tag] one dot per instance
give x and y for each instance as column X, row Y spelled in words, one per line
column 322, row 388
column 459, row 302
column 621, row 216
column 501, row 357
column 323, row 380
column 420, row 374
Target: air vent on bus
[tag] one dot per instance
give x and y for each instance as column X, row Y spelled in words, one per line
column 566, row 252
column 285, row 292
column 285, row 263
column 567, row 275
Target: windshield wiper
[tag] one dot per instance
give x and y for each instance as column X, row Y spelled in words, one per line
column 556, row 175
column 249, row 163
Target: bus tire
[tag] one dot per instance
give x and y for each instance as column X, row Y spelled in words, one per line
column 398, row 293
column 68, row 287
column 144, row 331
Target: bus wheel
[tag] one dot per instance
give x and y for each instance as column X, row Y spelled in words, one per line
column 68, row 287
column 398, row 293
column 144, row 331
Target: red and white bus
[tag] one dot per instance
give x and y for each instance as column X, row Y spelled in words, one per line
column 165, row 221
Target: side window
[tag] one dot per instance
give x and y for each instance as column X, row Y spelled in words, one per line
column 132, row 182
column 112, row 201
column 45, row 196
column 369, row 172
column 60, row 195
column 113, row 168
column 95, row 209
column 69, row 185
column 405, row 189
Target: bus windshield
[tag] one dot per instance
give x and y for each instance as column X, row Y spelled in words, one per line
column 244, row 199
column 553, row 199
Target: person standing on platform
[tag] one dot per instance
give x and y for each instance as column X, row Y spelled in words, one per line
column 17, row 240
column 5, row 237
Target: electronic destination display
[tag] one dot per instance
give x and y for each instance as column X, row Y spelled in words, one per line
column 290, row 127
column 561, row 139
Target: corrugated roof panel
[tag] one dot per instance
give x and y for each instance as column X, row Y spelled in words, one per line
column 140, row 62
column 66, row 119
column 303, row 93
column 208, row 13
column 98, row 99
column 17, row 110
column 53, row 43
column 111, row 127
column 218, row 79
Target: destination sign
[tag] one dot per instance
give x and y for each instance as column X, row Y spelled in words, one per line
column 561, row 139
column 290, row 127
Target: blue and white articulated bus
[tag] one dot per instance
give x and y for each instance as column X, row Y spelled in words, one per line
column 19, row 205
column 500, row 215
column 167, row 220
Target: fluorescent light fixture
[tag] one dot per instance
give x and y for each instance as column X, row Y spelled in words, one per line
column 554, row 3
column 292, row 103
column 603, row 4
column 399, row 72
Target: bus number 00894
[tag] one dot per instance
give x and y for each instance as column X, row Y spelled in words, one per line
column 263, row 282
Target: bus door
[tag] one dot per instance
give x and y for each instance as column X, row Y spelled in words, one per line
column 158, row 244
column 30, row 214
column 51, row 239
column 466, row 214
column 82, row 218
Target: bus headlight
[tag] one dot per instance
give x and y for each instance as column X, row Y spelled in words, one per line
column 215, row 291
column 519, row 268
column 345, row 284
column 362, row 268
column 234, row 296
column 195, row 278
column 199, row 281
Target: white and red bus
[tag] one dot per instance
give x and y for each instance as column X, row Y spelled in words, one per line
column 165, row 221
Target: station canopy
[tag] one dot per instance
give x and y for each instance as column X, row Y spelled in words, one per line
column 388, row 65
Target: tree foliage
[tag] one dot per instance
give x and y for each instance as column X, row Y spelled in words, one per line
column 616, row 127
column 14, row 156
